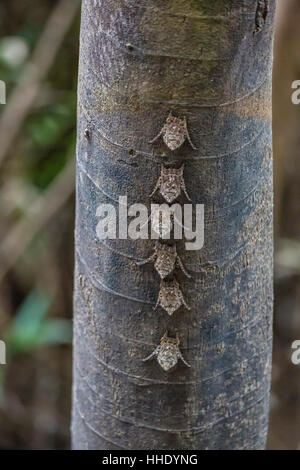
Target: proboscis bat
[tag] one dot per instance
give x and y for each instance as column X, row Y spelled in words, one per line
column 167, row 353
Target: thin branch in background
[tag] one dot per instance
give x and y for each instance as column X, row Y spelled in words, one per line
column 25, row 92
column 39, row 213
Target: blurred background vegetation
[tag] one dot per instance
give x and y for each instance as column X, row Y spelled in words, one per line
column 39, row 44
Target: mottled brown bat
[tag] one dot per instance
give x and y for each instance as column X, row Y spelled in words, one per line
column 170, row 184
column 170, row 297
column 161, row 224
column 165, row 260
column 174, row 132
column 167, row 353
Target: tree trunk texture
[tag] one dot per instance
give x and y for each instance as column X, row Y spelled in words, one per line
column 210, row 61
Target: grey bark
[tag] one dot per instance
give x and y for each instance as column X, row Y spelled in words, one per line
column 201, row 59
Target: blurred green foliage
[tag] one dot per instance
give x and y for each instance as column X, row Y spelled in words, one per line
column 31, row 329
column 36, row 296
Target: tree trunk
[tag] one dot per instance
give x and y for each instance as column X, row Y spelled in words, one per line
column 210, row 61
